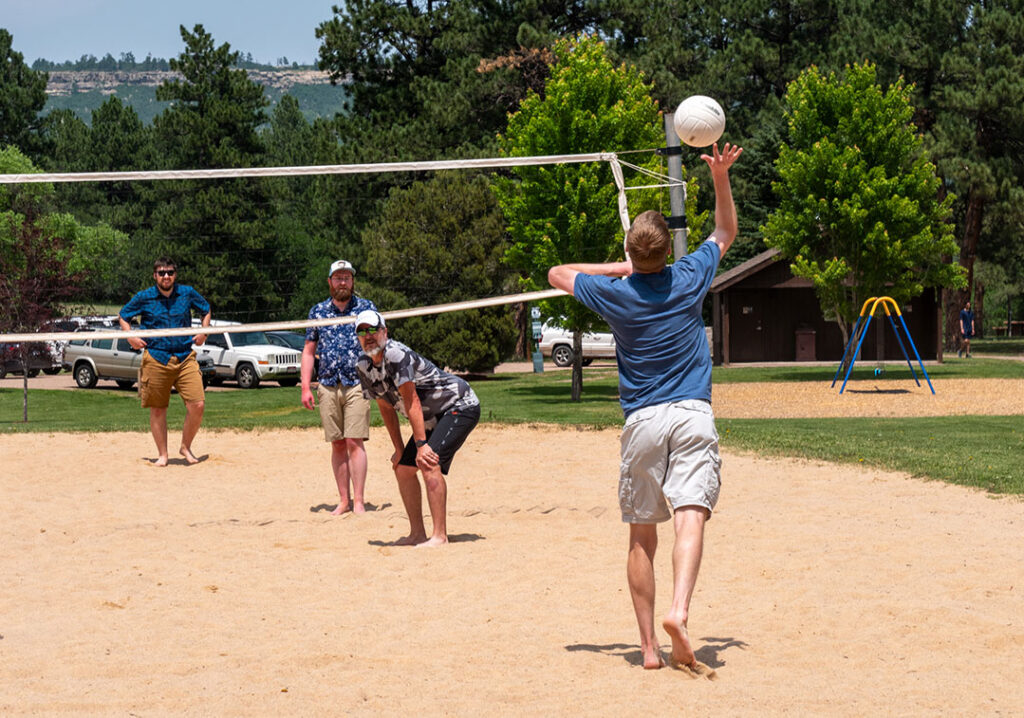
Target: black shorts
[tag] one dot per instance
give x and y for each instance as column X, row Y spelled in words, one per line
column 446, row 438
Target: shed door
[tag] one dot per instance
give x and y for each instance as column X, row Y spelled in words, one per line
column 747, row 327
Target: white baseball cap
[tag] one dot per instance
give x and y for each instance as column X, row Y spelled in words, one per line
column 369, row 318
column 341, row 266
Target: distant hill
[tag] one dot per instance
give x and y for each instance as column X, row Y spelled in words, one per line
column 83, row 91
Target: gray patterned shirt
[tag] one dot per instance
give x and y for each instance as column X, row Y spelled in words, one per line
column 438, row 390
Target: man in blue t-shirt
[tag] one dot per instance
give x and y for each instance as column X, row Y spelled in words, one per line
column 669, row 442
column 168, row 362
column 966, row 330
column 344, row 412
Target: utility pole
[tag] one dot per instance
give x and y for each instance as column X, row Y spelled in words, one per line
column 677, row 190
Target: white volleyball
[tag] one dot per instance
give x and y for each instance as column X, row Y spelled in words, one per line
column 699, row 121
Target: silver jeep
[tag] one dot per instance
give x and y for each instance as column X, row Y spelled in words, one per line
column 92, row 359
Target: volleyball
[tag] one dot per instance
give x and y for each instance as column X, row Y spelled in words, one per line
column 699, row 121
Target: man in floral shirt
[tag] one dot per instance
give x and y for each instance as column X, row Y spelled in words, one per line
column 344, row 413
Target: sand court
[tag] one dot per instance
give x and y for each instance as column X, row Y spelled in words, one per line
column 226, row 588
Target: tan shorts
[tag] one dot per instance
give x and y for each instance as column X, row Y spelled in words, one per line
column 156, row 381
column 344, row 413
column 669, row 453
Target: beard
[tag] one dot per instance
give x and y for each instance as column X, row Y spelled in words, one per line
column 341, row 294
column 374, row 353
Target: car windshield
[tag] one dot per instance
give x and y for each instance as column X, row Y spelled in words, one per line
column 248, row 339
column 295, row 341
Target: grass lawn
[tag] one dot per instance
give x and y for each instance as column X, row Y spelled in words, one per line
column 1013, row 346
column 980, row 451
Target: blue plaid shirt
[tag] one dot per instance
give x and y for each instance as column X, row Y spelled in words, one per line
column 337, row 344
column 172, row 312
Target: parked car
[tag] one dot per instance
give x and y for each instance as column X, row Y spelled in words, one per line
column 89, row 360
column 249, row 358
column 40, row 358
column 557, row 344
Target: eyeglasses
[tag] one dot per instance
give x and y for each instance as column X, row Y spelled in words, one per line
column 165, row 272
column 365, row 331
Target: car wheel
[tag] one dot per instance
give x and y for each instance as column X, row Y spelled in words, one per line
column 85, row 377
column 51, row 370
column 33, row 373
column 247, row 377
column 561, row 355
column 288, row 382
column 3, row 371
column 588, row 361
column 124, row 383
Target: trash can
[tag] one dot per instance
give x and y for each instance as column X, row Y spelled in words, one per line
column 805, row 345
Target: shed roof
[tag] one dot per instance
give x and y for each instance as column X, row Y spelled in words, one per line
column 742, row 271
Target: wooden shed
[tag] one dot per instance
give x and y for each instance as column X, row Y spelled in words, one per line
column 762, row 313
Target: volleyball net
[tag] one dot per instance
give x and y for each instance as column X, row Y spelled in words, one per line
column 121, row 183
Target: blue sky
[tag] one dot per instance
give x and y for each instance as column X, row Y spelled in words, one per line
column 61, row 30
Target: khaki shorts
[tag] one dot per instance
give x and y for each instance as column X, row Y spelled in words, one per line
column 344, row 413
column 156, row 381
column 669, row 453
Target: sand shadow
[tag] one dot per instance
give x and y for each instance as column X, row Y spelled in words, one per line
column 177, row 461
column 877, row 391
column 320, row 508
column 452, row 538
column 707, row 654
column 630, row 653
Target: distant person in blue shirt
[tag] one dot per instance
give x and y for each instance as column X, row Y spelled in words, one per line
column 669, row 442
column 966, row 330
column 169, row 362
column 344, row 412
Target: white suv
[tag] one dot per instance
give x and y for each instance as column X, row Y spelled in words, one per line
column 557, row 344
column 249, row 358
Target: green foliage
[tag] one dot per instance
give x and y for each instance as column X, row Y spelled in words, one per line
column 22, row 96
column 858, row 212
column 441, row 241
column 569, row 213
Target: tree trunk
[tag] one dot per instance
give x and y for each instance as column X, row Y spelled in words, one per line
column 522, row 320
column 24, row 382
column 577, row 365
column 954, row 300
column 979, row 310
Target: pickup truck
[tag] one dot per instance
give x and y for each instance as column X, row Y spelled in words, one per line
column 89, row 360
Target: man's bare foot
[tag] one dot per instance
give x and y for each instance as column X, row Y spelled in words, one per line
column 160, row 461
column 343, row 508
column 653, row 659
column 681, row 651
column 189, row 456
column 433, row 541
column 411, row 540
column 358, row 508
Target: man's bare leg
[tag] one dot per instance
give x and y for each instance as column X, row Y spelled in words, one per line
column 686, row 556
column 437, row 499
column 357, row 472
column 340, row 467
column 643, row 542
column 412, row 499
column 193, row 420
column 158, row 428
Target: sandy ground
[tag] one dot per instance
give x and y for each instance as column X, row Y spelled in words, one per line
column 226, row 588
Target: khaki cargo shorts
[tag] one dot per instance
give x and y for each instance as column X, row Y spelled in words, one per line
column 344, row 413
column 669, row 453
column 156, row 381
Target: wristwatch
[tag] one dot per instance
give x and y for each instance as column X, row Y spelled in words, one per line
column 420, row 442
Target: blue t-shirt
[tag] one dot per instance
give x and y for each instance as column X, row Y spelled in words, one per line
column 967, row 322
column 170, row 312
column 660, row 342
column 337, row 344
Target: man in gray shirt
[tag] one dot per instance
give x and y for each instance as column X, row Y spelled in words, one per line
column 441, row 408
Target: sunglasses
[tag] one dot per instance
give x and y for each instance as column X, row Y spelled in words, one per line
column 365, row 331
column 165, row 272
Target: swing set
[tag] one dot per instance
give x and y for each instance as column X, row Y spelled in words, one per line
column 860, row 331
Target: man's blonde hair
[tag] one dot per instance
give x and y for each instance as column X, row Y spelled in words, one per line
column 648, row 241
